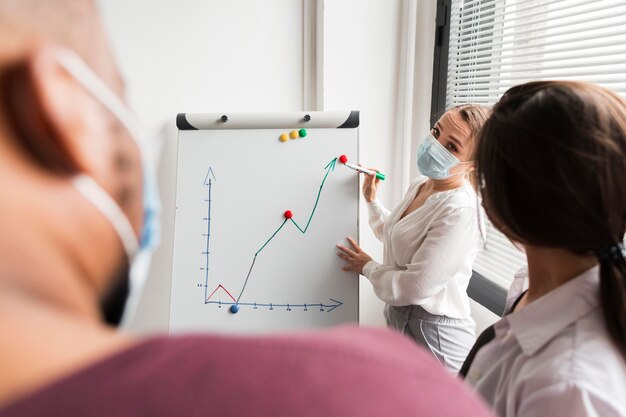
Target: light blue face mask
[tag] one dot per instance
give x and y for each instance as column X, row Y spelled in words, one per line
column 434, row 160
column 139, row 251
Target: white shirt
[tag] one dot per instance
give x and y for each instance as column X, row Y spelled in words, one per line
column 554, row 357
column 428, row 255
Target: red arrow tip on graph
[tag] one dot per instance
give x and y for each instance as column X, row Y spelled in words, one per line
column 343, row 159
column 288, row 214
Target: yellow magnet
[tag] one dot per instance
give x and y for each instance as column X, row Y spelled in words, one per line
column 284, row 137
column 294, row 134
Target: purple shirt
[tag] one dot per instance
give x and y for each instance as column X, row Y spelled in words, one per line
column 345, row 371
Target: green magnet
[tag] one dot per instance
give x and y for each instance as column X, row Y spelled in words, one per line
column 302, row 133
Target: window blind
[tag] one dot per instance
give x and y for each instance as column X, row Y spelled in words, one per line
column 496, row 44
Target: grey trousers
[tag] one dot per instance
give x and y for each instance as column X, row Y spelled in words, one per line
column 448, row 339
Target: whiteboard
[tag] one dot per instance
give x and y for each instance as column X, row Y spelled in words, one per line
column 234, row 245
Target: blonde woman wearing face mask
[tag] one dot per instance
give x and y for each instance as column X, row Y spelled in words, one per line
column 430, row 241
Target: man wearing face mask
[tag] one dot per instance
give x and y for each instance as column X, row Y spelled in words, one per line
column 430, row 242
column 77, row 216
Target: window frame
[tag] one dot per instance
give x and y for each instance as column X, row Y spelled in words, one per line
column 440, row 61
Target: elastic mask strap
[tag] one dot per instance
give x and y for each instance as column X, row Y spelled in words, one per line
column 93, row 192
column 94, row 85
column 84, row 75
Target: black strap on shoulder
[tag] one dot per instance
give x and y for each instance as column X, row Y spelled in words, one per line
column 485, row 337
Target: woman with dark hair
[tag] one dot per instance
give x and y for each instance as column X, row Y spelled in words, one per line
column 430, row 241
column 551, row 163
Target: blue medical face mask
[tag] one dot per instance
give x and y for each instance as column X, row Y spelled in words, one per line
column 434, row 160
column 139, row 251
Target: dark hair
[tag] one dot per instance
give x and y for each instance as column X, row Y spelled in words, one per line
column 551, row 162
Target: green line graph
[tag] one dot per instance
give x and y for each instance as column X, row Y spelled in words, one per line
column 329, row 168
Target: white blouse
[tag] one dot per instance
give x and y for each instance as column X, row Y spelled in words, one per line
column 428, row 254
column 553, row 357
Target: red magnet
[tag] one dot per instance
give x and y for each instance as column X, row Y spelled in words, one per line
column 288, row 214
column 343, row 159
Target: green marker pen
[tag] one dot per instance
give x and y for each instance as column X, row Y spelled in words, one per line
column 343, row 159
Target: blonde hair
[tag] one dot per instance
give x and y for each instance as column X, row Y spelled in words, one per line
column 475, row 116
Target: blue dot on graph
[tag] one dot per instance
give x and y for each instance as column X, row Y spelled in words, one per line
column 234, row 308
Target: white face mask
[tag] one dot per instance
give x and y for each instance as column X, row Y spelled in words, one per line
column 139, row 251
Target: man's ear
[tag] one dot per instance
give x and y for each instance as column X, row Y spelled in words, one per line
column 48, row 111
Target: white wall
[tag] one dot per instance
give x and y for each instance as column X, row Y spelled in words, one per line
column 216, row 55
column 207, row 55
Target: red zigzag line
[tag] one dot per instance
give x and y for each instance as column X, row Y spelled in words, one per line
column 218, row 287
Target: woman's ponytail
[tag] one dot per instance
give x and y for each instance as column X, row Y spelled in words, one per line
column 613, row 295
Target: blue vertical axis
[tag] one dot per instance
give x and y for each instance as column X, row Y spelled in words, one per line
column 208, row 237
column 207, row 181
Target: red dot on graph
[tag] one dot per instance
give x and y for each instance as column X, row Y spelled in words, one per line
column 343, row 159
column 288, row 214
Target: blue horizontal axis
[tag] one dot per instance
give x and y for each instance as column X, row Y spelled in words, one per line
column 289, row 306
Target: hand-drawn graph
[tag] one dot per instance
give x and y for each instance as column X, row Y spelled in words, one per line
column 220, row 296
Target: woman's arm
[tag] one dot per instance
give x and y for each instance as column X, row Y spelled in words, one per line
column 376, row 211
column 449, row 242
column 377, row 216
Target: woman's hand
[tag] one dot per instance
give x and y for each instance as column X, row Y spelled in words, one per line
column 355, row 258
column 370, row 185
